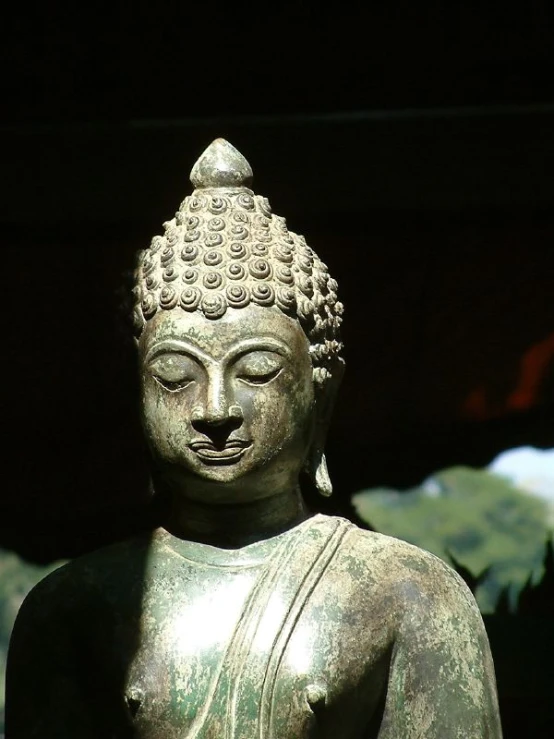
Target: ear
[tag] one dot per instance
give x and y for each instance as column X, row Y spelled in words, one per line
column 325, row 396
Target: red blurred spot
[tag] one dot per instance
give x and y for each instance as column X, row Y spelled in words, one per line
column 533, row 369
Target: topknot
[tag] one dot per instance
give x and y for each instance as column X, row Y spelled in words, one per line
column 225, row 249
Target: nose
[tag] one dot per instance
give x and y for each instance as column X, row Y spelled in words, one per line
column 217, row 411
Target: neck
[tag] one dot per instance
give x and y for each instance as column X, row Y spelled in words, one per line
column 231, row 526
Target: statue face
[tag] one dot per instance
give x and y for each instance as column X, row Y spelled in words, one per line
column 228, row 405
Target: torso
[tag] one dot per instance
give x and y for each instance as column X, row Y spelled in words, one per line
column 250, row 642
column 291, row 636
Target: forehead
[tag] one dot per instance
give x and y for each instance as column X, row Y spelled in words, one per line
column 219, row 336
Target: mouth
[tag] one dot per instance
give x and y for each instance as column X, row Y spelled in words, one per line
column 227, row 453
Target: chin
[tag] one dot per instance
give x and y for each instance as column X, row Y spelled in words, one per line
column 220, row 485
column 252, row 476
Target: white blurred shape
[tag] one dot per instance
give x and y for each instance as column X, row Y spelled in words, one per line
column 528, row 468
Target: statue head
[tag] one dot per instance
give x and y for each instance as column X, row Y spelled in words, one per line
column 237, row 323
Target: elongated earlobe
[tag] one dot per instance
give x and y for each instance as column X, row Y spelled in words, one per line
column 320, row 474
column 326, row 386
column 322, row 480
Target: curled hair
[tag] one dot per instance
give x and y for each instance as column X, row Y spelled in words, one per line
column 226, row 249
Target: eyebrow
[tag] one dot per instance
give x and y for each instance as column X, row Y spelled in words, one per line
column 243, row 346
column 176, row 346
column 263, row 344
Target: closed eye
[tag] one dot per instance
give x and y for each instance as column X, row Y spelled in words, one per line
column 173, row 386
column 260, row 379
column 258, row 367
column 174, row 371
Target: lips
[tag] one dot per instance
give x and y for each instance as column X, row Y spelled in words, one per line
column 231, row 451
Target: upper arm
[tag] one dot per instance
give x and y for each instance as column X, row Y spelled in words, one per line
column 42, row 695
column 441, row 681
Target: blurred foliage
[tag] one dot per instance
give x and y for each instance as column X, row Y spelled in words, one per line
column 537, row 599
column 17, row 578
column 472, row 519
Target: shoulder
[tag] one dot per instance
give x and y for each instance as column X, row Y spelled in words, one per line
column 84, row 580
column 411, row 579
column 440, row 671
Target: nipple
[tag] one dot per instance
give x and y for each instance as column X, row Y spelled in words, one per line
column 134, row 699
column 316, row 697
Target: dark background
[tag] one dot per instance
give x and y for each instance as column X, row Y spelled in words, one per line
column 410, row 142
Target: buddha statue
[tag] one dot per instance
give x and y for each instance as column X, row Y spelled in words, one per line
column 242, row 615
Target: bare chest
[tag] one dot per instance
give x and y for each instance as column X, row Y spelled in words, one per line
column 237, row 652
